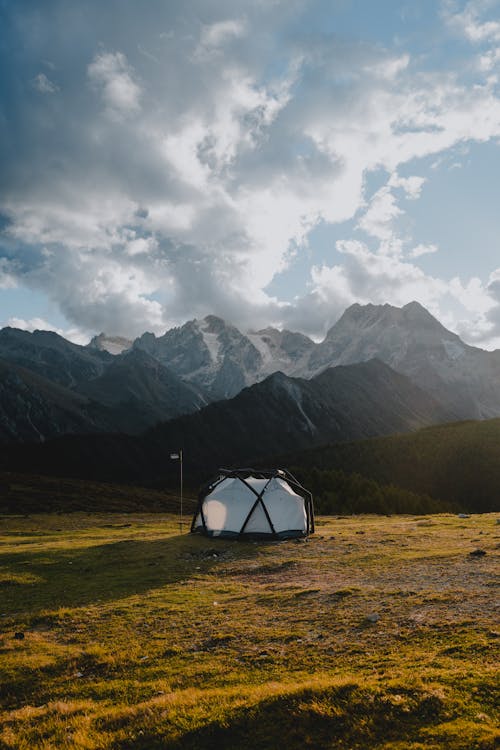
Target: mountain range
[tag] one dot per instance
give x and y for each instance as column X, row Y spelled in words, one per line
column 50, row 386
column 279, row 414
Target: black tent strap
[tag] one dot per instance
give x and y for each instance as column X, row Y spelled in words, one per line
column 259, row 474
column 259, row 500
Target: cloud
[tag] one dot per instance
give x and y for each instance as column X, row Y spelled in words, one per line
column 419, row 250
column 76, row 335
column 214, row 36
column 371, row 276
column 469, row 23
column 160, row 186
column 412, row 186
column 111, row 74
column 32, row 325
column 378, row 219
column 7, row 274
column 44, row 85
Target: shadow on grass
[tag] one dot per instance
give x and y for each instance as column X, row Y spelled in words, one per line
column 102, row 573
column 349, row 716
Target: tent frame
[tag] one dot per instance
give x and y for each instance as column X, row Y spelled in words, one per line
column 243, row 475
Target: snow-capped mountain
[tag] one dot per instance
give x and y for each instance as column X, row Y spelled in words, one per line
column 464, row 378
column 217, row 357
column 220, row 359
column 208, row 353
column 157, row 378
column 282, row 350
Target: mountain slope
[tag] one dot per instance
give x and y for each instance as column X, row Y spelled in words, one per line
column 208, row 360
column 340, row 404
column 144, row 390
column 209, row 353
column 216, row 356
column 410, row 340
column 280, row 414
column 283, row 351
column 33, row 408
column 111, row 344
column 51, row 356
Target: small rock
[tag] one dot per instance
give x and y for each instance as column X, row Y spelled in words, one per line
column 477, row 553
column 373, row 617
column 463, row 515
column 19, row 636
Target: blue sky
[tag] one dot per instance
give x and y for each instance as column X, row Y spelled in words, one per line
column 271, row 163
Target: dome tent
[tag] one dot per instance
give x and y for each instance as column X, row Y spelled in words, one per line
column 245, row 503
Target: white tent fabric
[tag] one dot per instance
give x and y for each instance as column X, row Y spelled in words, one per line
column 246, row 505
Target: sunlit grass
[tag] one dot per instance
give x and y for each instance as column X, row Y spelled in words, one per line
column 118, row 632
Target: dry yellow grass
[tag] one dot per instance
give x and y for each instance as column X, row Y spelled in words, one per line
column 375, row 633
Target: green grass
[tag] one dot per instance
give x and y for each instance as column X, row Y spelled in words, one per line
column 137, row 637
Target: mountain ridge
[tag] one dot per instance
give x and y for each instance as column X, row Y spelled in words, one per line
column 210, row 360
column 278, row 414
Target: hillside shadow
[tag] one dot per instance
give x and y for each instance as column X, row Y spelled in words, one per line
column 49, row 579
column 344, row 716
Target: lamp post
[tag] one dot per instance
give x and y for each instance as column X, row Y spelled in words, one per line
column 178, row 457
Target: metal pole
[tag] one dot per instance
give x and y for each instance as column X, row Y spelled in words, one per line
column 180, row 457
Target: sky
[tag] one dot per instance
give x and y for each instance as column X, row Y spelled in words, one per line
column 271, row 162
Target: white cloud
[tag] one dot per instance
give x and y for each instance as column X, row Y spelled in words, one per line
column 141, row 245
column 32, row 324
column 419, row 250
column 114, row 77
column 76, row 335
column 389, row 68
column 469, row 23
column 7, row 274
column 221, row 149
column 217, row 33
column 378, row 219
column 489, row 60
column 411, row 185
column 44, row 85
column 367, row 276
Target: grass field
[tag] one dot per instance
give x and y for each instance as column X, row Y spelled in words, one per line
column 118, row 632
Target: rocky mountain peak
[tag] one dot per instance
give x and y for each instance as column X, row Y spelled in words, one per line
column 112, row 344
column 213, row 324
column 366, row 320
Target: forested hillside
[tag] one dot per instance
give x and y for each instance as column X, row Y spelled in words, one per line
column 456, row 463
